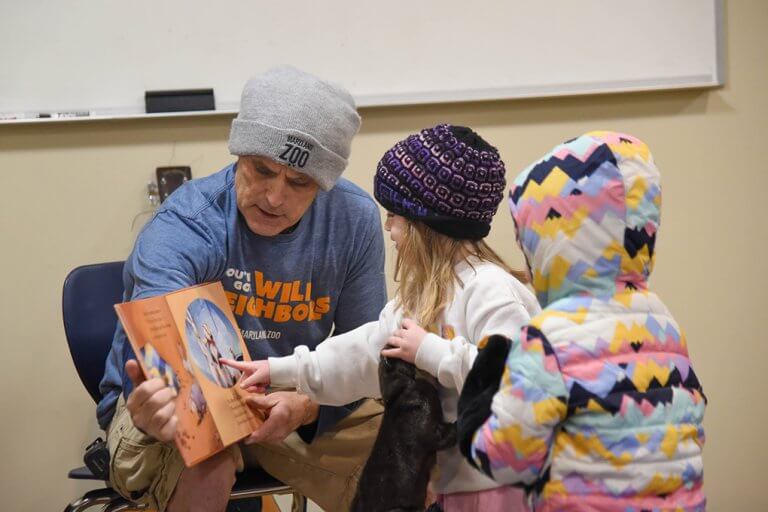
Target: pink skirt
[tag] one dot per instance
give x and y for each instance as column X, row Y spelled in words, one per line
column 500, row 499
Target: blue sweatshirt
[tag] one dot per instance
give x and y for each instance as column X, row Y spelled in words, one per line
column 286, row 290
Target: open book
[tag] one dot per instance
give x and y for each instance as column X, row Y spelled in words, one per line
column 180, row 337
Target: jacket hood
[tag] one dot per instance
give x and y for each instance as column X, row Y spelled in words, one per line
column 587, row 215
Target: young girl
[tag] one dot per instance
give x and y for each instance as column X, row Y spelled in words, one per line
column 441, row 188
column 598, row 407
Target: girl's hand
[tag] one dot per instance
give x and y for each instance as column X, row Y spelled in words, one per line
column 255, row 374
column 405, row 341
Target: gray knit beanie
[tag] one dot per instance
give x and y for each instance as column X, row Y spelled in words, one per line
column 298, row 120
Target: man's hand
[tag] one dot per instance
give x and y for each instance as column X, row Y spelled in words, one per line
column 152, row 404
column 285, row 411
column 255, row 374
column 405, row 341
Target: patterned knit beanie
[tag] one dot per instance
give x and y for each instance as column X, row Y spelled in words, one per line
column 447, row 177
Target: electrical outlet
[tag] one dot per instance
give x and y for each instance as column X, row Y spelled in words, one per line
column 171, row 178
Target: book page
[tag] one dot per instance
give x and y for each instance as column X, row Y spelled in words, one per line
column 209, row 332
column 150, row 328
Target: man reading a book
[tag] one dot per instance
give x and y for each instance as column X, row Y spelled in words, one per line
column 300, row 253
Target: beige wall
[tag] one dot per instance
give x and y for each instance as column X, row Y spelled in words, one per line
column 70, row 192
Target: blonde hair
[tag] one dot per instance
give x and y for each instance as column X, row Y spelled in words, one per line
column 425, row 270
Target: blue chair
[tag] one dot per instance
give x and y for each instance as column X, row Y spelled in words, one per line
column 89, row 294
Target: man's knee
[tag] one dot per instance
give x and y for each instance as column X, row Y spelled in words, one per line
column 205, row 486
column 216, row 472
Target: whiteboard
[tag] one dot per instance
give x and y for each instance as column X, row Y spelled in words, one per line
column 101, row 56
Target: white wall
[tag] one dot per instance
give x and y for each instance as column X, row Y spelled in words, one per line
column 70, row 192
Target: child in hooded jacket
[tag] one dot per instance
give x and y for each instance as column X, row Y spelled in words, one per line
column 598, row 407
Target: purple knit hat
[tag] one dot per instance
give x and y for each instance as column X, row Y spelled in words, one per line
column 447, row 177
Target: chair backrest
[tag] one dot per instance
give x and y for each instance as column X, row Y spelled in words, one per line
column 89, row 294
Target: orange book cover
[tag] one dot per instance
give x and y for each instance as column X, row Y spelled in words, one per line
column 180, row 337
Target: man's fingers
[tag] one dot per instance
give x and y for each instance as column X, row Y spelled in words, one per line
column 263, row 432
column 408, row 323
column 395, row 341
column 168, row 431
column 237, row 365
column 253, row 438
column 260, row 401
column 266, row 431
column 274, row 429
column 152, row 413
column 159, row 399
column 256, row 389
column 143, row 392
column 134, row 372
column 161, row 424
column 163, row 415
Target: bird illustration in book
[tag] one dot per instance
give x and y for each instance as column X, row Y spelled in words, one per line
column 157, row 367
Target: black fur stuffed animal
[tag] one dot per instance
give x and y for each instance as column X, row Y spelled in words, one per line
column 396, row 476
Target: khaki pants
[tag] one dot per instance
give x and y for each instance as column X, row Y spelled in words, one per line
column 325, row 471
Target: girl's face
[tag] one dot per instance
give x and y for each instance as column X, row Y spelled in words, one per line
column 396, row 226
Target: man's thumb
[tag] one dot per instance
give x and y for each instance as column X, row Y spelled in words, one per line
column 134, row 372
column 259, row 402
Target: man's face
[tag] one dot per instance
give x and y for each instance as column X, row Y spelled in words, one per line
column 271, row 197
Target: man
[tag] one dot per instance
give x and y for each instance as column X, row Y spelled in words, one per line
column 299, row 255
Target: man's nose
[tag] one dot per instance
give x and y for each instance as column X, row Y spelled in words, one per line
column 276, row 192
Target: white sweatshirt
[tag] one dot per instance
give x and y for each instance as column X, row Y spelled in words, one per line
column 344, row 368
